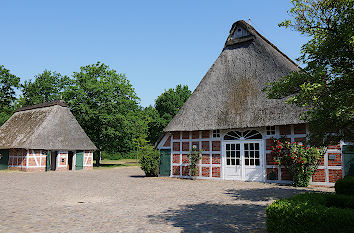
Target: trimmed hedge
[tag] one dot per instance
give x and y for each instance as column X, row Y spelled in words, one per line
column 345, row 185
column 309, row 212
column 341, row 201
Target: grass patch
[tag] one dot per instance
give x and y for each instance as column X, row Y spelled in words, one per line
column 108, row 163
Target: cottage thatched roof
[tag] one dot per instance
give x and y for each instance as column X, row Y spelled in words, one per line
column 230, row 94
column 49, row 126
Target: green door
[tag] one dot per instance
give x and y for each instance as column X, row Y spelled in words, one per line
column 4, row 159
column 48, row 162
column 79, row 160
column 165, row 162
column 348, row 159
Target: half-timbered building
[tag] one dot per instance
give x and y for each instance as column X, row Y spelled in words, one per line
column 230, row 119
column 45, row 137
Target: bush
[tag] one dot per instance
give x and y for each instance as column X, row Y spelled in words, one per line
column 345, row 185
column 149, row 160
column 341, row 201
column 302, row 161
column 309, row 213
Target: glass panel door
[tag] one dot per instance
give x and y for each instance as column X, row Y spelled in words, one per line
column 252, row 151
column 233, row 154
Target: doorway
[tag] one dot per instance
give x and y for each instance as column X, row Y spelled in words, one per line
column 4, row 159
column 243, row 160
column 165, row 162
column 53, row 160
column 70, row 160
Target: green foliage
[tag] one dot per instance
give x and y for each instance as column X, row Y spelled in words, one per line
column 106, row 106
column 118, row 155
column 169, row 102
column 325, row 85
column 150, row 160
column 308, row 213
column 167, row 106
column 47, row 86
column 301, row 161
column 341, row 201
column 8, row 85
column 194, row 157
column 156, row 124
column 345, row 185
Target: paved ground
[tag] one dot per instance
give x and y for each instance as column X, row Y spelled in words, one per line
column 123, row 200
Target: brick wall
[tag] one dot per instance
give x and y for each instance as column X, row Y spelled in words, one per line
column 210, row 162
column 328, row 171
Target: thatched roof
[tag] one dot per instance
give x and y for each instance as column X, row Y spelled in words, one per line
column 49, row 126
column 230, row 94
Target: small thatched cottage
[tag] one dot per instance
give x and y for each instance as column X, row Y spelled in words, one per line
column 232, row 121
column 45, row 137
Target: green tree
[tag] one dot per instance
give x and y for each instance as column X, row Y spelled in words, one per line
column 47, row 86
column 167, row 106
column 155, row 124
column 105, row 104
column 8, row 85
column 325, row 86
column 169, row 103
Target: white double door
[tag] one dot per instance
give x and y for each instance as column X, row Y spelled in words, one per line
column 243, row 160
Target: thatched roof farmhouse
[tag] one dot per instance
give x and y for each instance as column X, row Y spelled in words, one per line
column 45, row 137
column 230, row 119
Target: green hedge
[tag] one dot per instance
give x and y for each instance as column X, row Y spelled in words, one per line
column 345, row 185
column 309, row 213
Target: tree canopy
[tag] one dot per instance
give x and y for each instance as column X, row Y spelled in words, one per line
column 167, row 106
column 325, row 85
column 8, row 85
column 105, row 104
column 47, row 86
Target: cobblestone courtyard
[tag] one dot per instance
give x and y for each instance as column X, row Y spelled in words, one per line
column 123, row 200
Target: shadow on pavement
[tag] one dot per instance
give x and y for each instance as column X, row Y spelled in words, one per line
column 265, row 194
column 248, row 216
column 206, row 217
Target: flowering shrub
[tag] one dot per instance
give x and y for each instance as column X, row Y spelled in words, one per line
column 194, row 157
column 301, row 161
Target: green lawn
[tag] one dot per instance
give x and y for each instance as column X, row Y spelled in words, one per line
column 105, row 163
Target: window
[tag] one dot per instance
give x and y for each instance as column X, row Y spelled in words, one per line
column 233, row 154
column 238, row 135
column 216, row 133
column 240, row 32
column 270, row 130
column 251, row 154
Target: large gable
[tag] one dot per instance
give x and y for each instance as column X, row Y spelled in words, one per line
column 50, row 126
column 230, row 94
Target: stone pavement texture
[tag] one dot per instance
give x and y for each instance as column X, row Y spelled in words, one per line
column 123, row 200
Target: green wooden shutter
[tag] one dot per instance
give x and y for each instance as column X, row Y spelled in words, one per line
column 48, row 162
column 165, row 162
column 4, row 159
column 79, row 160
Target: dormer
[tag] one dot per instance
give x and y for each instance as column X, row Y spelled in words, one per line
column 240, row 32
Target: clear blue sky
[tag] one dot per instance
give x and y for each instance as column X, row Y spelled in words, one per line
column 157, row 44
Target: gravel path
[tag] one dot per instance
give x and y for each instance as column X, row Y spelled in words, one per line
column 123, row 200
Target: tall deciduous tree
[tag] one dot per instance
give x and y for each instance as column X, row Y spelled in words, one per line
column 8, row 85
column 167, row 106
column 47, row 86
column 325, row 85
column 105, row 104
